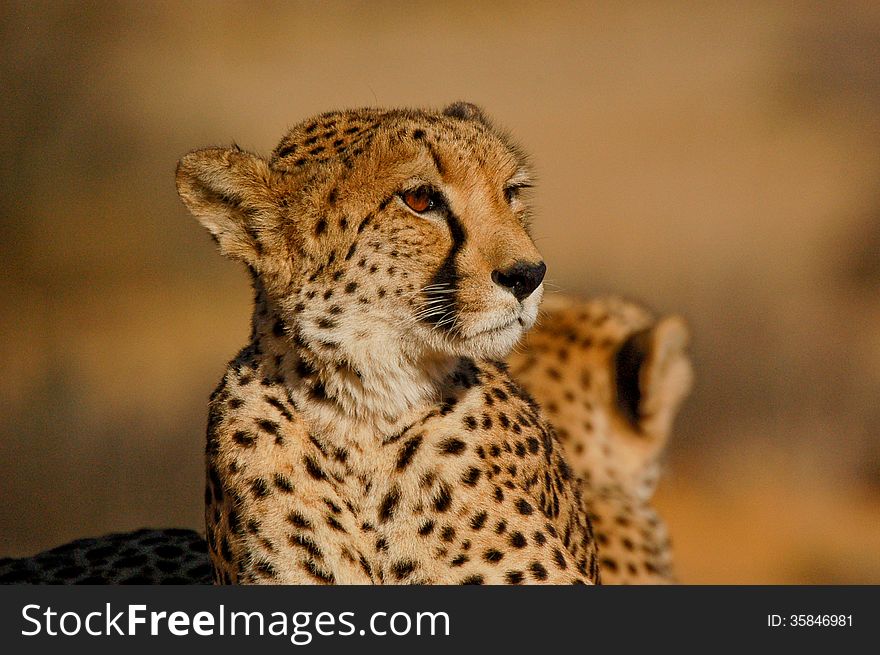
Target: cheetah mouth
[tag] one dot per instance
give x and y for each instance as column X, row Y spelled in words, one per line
column 517, row 321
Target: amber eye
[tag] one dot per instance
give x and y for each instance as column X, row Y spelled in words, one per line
column 421, row 199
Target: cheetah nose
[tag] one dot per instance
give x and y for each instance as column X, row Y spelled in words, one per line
column 521, row 279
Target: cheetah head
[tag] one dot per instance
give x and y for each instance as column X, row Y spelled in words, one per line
column 381, row 233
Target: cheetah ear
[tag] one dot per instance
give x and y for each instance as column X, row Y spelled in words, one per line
column 653, row 375
column 466, row 111
column 228, row 191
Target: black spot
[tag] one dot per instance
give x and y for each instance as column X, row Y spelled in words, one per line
column 471, row 476
column 538, row 571
column 317, row 444
column 318, row 391
column 473, row 579
column 499, row 394
column 277, row 404
column 513, row 577
column 448, row 406
column 523, row 506
column 299, row 520
column 452, row 446
column 305, row 542
column 313, row 468
column 448, row 533
column 609, row 564
column 268, row 426
column 351, row 287
column 320, row 227
column 287, row 150
column 389, row 503
column 426, row 528
column 518, row 540
column 304, row 369
column 559, row 558
column 460, row 560
column 260, row 488
column 408, row 451
column 283, row 483
column 265, row 569
column 403, row 568
column 244, row 439
column 444, row 499
column 493, row 556
column 318, row 573
column 333, row 523
column 479, row 520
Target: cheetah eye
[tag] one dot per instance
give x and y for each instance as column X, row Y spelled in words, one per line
column 422, row 199
column 512, row 191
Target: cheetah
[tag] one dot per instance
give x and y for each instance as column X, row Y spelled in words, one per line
column 369, row 432
column 610, row 379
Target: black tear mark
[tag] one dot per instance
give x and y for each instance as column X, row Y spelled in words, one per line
column 446, row 278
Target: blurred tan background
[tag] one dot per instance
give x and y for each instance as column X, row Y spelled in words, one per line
column 720, row 160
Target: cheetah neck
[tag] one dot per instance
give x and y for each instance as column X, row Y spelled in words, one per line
column 371, row 389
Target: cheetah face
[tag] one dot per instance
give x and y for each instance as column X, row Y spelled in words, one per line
column 380, row 230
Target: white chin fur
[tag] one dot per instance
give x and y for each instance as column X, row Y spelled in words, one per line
column 496, row 344
column 495, row 337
